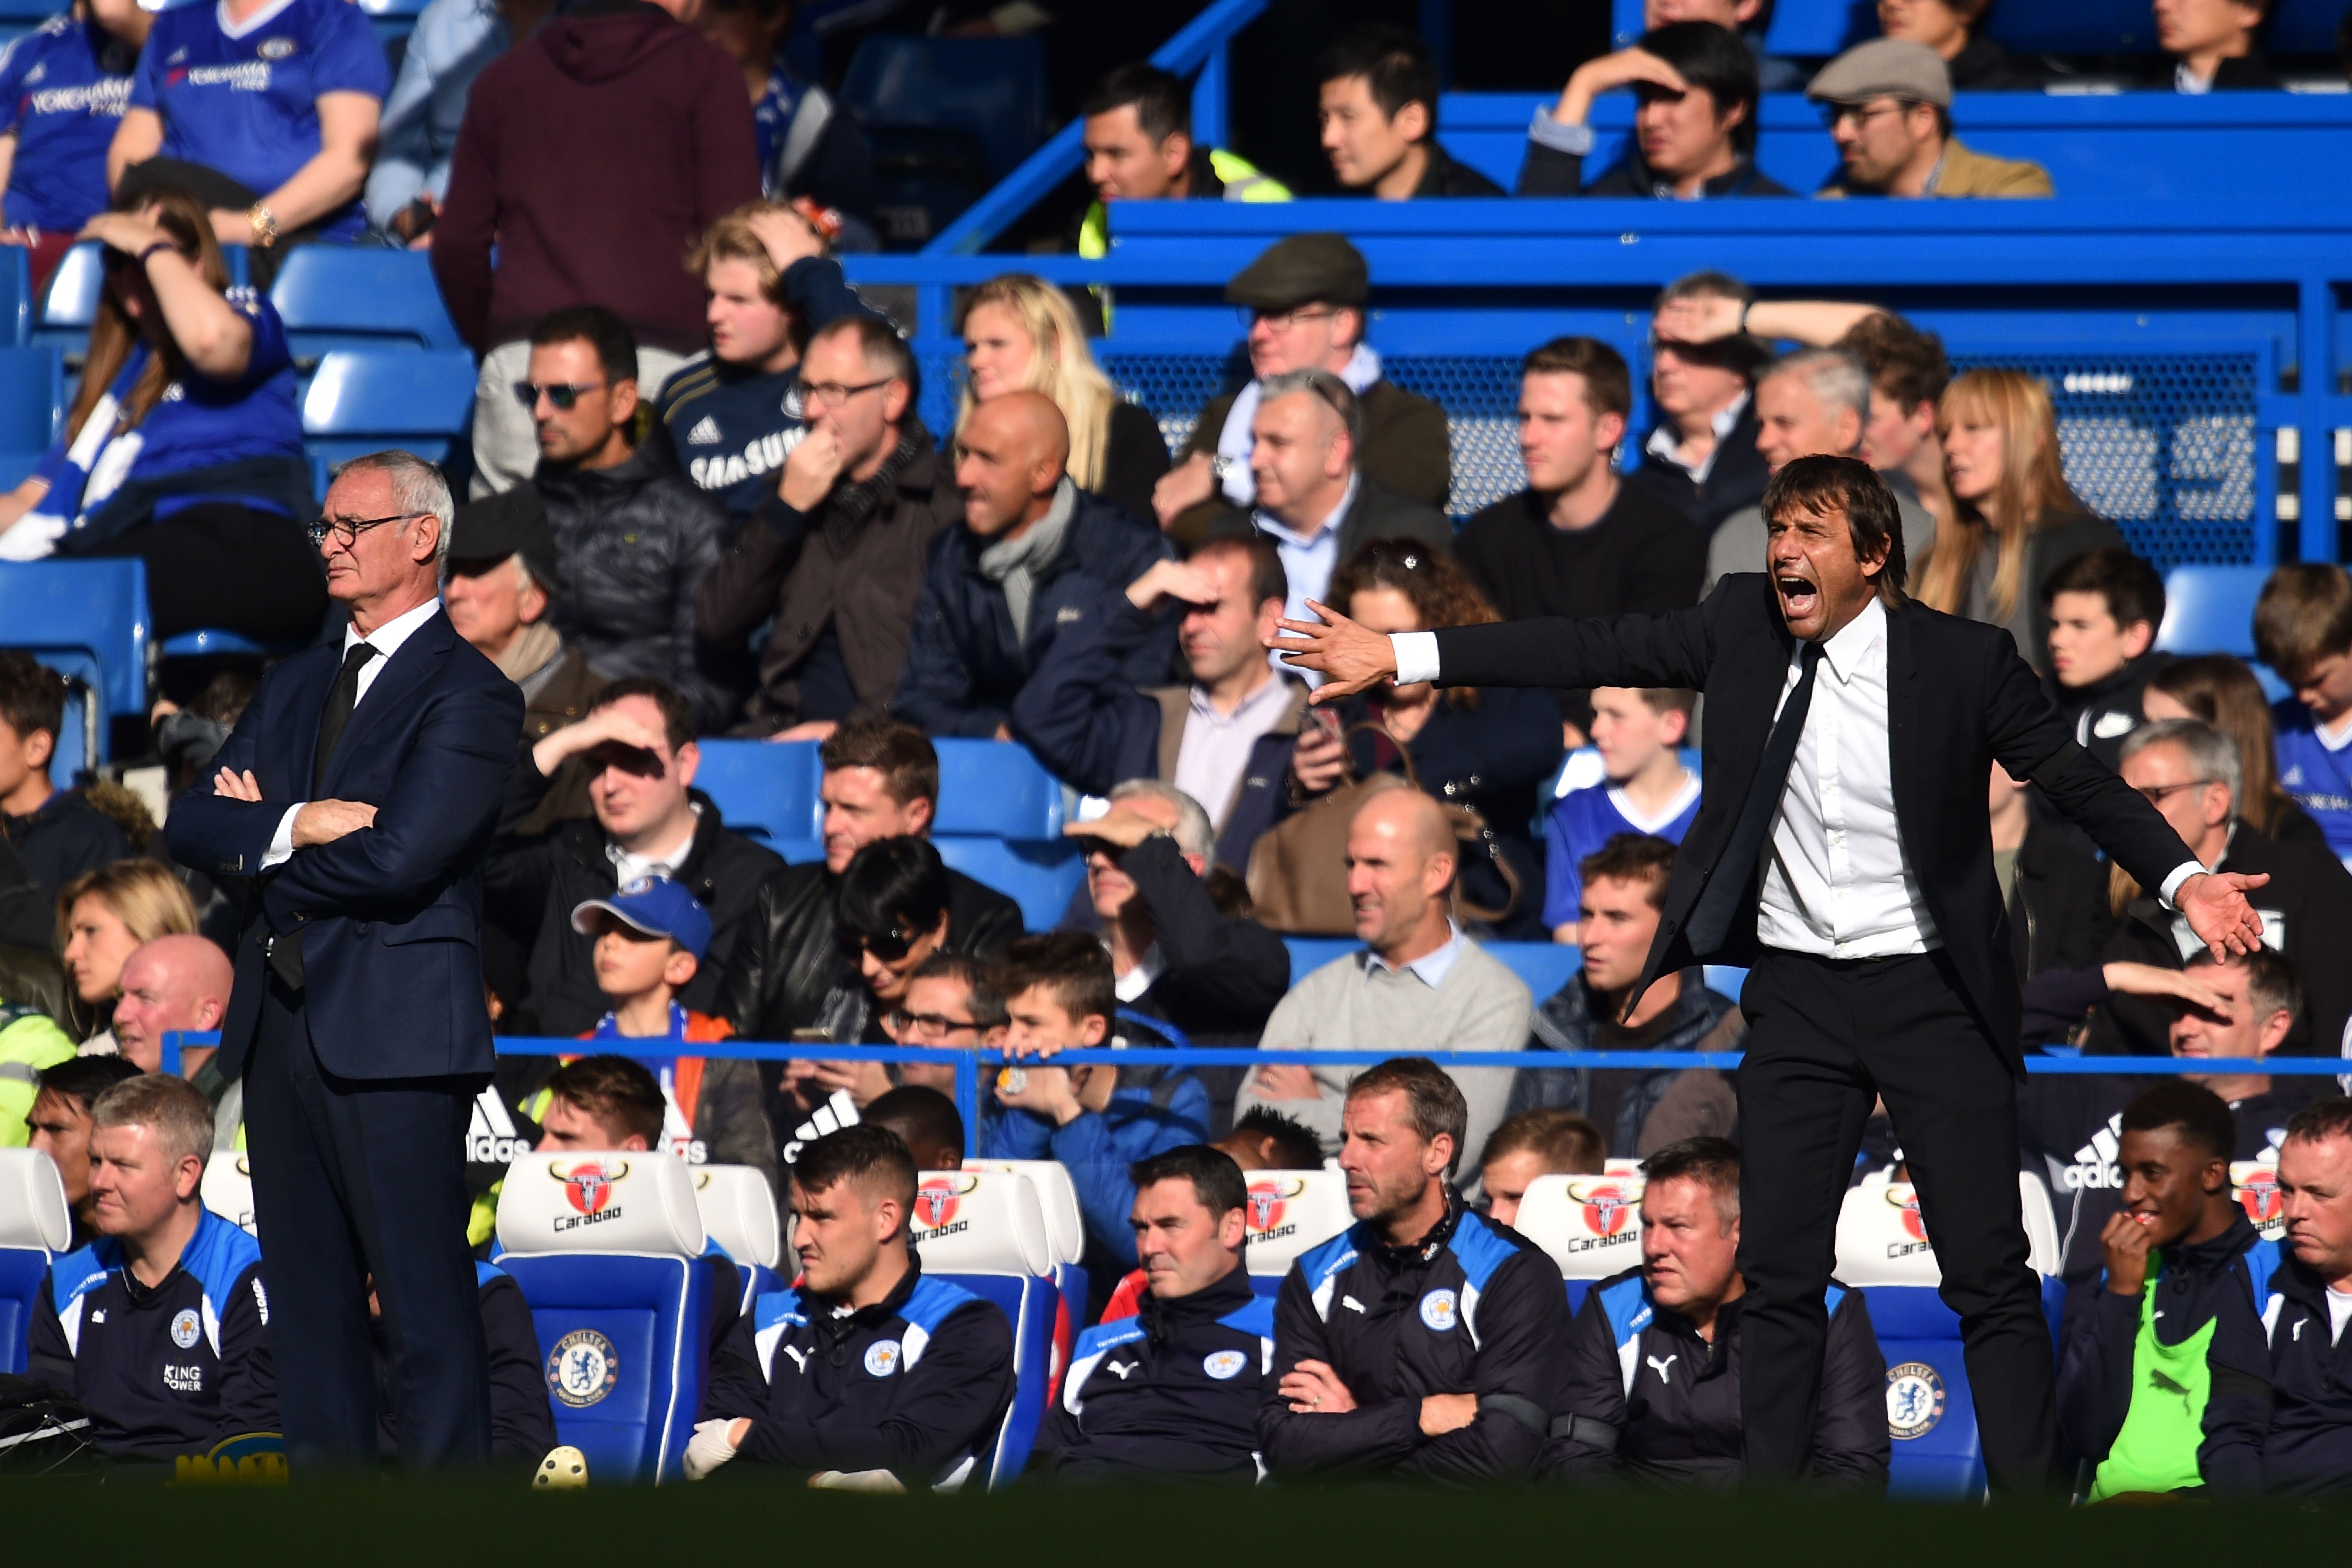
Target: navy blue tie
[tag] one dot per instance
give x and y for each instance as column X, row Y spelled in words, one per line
column 1710, row 918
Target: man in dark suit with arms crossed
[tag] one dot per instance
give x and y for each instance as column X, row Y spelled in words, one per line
column 1844, row 852
column 360, row 791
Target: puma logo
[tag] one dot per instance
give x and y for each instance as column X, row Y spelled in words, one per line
column 1122, row 1369
column 1349, row 1301
column 1660, row 1367
column 799, row 1357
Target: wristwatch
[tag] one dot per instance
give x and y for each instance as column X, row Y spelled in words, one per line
column 264, row 223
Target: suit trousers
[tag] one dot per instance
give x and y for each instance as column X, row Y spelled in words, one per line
column 1825, row 1037
column 354, row 1178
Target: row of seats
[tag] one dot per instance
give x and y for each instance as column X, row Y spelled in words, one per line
column 1818, row 29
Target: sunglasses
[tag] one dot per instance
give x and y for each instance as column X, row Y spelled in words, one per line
column 889, row 946
column 563, row 395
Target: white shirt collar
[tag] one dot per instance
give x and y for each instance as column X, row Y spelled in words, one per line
column 1844, row 652
column 386, row 638
column 1146, row 974
column 1667, row 438
column 1324, row 529
column 1432, row 967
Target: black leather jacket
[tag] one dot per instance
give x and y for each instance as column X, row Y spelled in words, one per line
column 786, row 959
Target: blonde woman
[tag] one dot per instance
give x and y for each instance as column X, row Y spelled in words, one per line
column 2013, row 522
column 1020, row 334
column 105, row 916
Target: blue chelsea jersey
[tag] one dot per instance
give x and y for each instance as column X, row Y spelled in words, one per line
column 63, row 86
column 243, row 97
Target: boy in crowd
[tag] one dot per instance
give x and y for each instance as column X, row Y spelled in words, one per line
column 160, row 1327
column 865, row 1365
column 1645, row 789
column 58, row 1126
column 2164, row 1373
column 1379, row 116
column 58, row 832
column 1545, row 1141
column 2303, row 629
column 650, row 941
column 1097, row 1121
column 2104, row 608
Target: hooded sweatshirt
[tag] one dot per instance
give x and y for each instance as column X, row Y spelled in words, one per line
column 611, row 107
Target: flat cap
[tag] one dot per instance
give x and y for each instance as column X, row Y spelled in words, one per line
column 512, row 521
column 1303, row 269
column 1885, row 68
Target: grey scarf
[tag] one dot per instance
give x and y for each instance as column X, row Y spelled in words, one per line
column 1012, row 564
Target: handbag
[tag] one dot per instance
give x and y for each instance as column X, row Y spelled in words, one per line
column 1298, row 868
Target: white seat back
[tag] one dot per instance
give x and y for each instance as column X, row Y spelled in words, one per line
column 1291, row 1212
column 2256, row 1184
column 228, row 1188
column 981, row 1222
column 2043, row 1251
column 634, row 1201
column 739, row 1212
column 33, row 1210
column 1066, row 1227
column 1591, row 1226
column 1881, row 1239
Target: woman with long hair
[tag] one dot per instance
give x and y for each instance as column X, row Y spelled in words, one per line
column 1492, row 751
column 2220, row 690
column 1021, row 334
column 2014, row 521
column 182, row 444
column 105, row 916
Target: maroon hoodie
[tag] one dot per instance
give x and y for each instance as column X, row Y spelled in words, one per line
column 593, row 153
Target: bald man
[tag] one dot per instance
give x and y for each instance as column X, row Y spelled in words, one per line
column 1036, row 556
column 172, row 983
column 1419, row 986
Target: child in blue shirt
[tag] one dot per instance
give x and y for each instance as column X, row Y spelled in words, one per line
column 1645, row 789
column 2302, row 630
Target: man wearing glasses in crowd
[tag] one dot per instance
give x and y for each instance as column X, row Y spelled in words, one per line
column 1305, row 301
column 834, row 553
column 1888, row 103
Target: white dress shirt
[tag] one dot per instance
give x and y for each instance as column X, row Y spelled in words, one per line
column 386, row 640
column 1309, row 558
column 1214, row 750
column 629, row 867
column 1666, row 442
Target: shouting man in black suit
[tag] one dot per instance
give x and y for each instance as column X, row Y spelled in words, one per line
column 1844, row 852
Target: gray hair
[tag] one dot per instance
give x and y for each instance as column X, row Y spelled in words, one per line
column 1194, row 834
column 2210, row 752
column 418, row 488
column 1325, row 386
column 177, row 1112
column 1833, row 375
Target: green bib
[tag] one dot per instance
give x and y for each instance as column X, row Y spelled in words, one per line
column 2157, row 1449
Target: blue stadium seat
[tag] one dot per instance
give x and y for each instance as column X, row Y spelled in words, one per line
column 86, row 619
column 1309, row 953
column 35, row 1226
column 947, row 118
column 2211, row 609
column 363, row 400
column 1065, row 1243
column 348, row 297
column 768, row 790
column 1000, row 823
column 1289, row 1212
column 985, row 1232
column 32, row 397
column 15, row 266
column 19, row 17
column 1591, row 1226
column 607, row 1250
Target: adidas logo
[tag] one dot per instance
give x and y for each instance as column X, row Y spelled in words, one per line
column 493, row 1139
column 705, row 433
column 2094, row 1162
column 2294, row 776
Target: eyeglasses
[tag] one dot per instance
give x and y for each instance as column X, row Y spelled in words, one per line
column 346, row 530
column 1284, row 321
column 565, row 394
column 927, row 1025
column 827, row 395
column 2156, row 793
column 889, row 946
column 1861, row 114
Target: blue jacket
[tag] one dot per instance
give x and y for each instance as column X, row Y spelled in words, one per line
column 170, row 1371
column 1092, row 728
column 1152, row 1110
column 965, row 664
column 1170, row 1392
column 389, row 916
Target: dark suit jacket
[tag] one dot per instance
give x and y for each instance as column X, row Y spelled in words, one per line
column 1406, row 445
column 390, row 916
column 1378, row 514
column 1959, row 698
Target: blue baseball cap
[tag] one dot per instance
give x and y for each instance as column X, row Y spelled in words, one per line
column 655, row 906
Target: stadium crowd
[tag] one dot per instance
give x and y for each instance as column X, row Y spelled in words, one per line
column 703, row 503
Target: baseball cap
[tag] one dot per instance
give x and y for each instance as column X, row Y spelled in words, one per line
column 1885, row 68
column 655, row 906
column 510, row 522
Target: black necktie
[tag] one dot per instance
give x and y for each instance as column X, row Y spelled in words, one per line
column 1710, row 918
column 338, row 712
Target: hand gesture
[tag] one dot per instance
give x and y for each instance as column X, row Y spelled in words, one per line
column 785, row 236
column 1320, row 761
column 606, row 726
column 1353, row 659
column 1314, row 1389
column 1122, row 824
column 131, row 233
column 2167, row 984
column 1608, row 73
column 1171, row 580
column 810, row 471
column 2127, row 1242
column 1051, row 1093
column 2215, row 905
column 1182, row 487
column 1696, row 318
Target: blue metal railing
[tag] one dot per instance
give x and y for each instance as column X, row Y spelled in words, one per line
column 970, row 1062
column 1200, row 46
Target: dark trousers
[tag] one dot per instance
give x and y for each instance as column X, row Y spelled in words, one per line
column 1826, row 1036
column 353, row 1179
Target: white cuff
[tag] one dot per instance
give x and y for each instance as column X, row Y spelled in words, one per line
column 281, row 842
column 2180, row 874
column 1546, row 132
column 1416, row 657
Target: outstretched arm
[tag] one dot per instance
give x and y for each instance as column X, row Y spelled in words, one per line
column 1672, row 649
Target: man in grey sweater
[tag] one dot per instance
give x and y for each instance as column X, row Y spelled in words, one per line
column 1421, row 985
